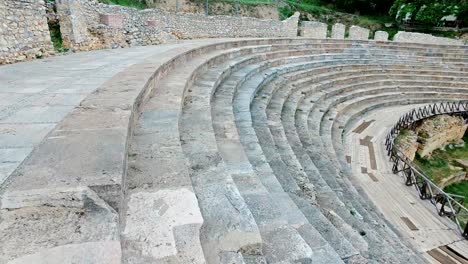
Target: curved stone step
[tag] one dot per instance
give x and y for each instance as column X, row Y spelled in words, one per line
column 224, row 151
column 171, row 190
column 228, row 141
column 256, row 200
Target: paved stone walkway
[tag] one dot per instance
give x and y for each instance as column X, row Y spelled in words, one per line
column 413, row 218
column 36, row 95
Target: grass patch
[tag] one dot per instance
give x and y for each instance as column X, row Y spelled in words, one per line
column 370, row 21
column 139, row 4
column 460, row 188
column 438, row 166
column 311, row 8
column 435, row 168
column 241, row 2
column 391, row 31
column 403, row 133
column 56, row 37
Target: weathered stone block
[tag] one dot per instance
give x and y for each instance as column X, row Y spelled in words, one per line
column 73, row 22
column 314, row 29
column 338, row 31
column 171, row 209
column 358, row 33
column 112, row 20
column 381, row 36
column 411, row 37
column 40, row 226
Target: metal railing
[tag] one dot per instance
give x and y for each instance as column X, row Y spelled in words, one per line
column 447, row 205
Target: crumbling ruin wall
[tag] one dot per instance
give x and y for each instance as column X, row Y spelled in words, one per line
column 24, row 33
column 88, row 25
column 435, row 133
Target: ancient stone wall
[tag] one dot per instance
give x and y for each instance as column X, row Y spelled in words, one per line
column 435, row 133
column 90, row 25
column 24, row 33
column 153, row 26
column 262, row 11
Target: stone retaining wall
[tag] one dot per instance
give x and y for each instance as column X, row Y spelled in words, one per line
column 24, row 33
column 437, row 132
column 90, row 25
column 85, row 25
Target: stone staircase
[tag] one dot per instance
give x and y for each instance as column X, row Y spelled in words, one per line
column 230, row 151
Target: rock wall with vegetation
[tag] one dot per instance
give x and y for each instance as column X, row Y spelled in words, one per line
column 407, row 143
column 435, row 133
column 262, row 11
column 26, row 28
column 24, row 33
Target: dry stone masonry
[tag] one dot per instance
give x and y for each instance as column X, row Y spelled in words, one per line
column 95, row 25
column 90, row 25
column 24, row 33
column 435, row 133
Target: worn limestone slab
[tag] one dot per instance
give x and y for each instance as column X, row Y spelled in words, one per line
column 57, row 224
column 164, row 213
column 314, row 29
column 381, row 36
column 86, row 148
column 338, row 31
column 413, row 37
column 112, row 20
column 358, row 33
column 108, row 252
column 35, row 96
column 73, row 153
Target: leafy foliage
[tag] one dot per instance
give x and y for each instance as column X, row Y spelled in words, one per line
column 441, row 164
column 369, row 7
column 56, row 37
column 428, row 12
column 140, row 4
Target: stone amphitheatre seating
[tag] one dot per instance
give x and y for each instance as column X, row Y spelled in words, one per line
column 237, row 151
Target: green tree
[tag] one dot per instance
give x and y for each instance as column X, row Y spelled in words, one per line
column 366, row 7
column 428, row 12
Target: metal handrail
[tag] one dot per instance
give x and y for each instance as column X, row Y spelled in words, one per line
column 427, row 189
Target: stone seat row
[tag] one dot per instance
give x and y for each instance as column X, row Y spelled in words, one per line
column 224, row 153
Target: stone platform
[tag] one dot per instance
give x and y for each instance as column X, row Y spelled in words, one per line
column 220, row 151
